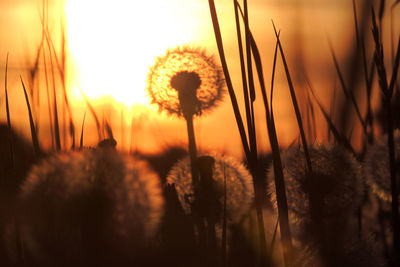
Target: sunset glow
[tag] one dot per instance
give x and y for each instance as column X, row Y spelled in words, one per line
column 113, row 44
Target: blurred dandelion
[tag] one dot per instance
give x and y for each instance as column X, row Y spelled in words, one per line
column 376, row 166
column 336, row 182
column 239, row 187
column 79, row 203
column 185, row 81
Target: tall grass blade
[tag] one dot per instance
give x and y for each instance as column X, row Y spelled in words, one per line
column 48, row 100
column 243, row 71
column 250, row 79
column 311, row 126
column 55, row 106
column 368, row 83
column 62, row 73
column 338, row 137
column 93, row 112
column 232, row 95
column 294, row 102
column 258, row 178
column 387, row 91
column 10, row 135
column 109, row 130
column 278, row 171
column 349, row 95
column 277, row 162
column 35, row 140
column 395, row 70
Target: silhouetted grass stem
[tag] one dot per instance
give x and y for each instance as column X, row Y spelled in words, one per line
column 35, row 139
column 387, row 91
column 228, row 81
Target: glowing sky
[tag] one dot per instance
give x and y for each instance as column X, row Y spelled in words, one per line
column 113, row 47
column 112, row 44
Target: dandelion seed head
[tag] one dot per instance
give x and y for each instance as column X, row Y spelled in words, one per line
column 185, row 75
column 96, row 197
column 336, row 180
column 239, row 187
column 376, row 166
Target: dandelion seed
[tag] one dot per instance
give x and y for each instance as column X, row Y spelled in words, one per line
column 336, row 182
column 84, row 202
column 185, row 81
column 376, row 166
column 239, row 187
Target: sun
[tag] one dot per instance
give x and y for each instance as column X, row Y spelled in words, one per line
column 113, row 43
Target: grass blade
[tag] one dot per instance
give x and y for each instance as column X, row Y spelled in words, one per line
column 10, row 135
column 258, row 178
column 232, row 95
column 243, row 73
column 96, row 119
column 388, row 93
column 368, row 82
column 349, row 95
column 48, row 99
column 35, row 140
column 55, row 108
column 294, row 102
column 395, row 71
column 277, row 163
column 338, row 137
column 250, row 79
column 81, row 139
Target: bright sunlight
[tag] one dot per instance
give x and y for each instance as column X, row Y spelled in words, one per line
column 113, row 43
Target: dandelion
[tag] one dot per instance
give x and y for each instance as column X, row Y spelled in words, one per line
column 376, row 166
column 336, row 182
column 185, row 81
column 239, row 187
column 78, row 204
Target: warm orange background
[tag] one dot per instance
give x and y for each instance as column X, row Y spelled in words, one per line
column 112, row 44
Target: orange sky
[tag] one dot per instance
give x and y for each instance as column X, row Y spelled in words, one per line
column 113, row 43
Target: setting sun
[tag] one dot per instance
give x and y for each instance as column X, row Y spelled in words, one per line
column 113, row 44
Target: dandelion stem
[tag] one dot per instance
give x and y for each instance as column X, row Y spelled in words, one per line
column 195, row 177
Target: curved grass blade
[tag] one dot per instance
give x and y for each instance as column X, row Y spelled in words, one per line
column 10, row 135
column 83, row 125
column 35, row 139
column 96, row 119
column 278, row 171
column 294, row 102
column 348, row 93
column 338, row 137
column 232, row 95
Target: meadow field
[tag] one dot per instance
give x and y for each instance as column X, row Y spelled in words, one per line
column 209, row 133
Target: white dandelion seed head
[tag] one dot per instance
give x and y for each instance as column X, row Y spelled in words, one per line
column 239, row 186
column 190, row 66
column 376, row 166
column 337, row 177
